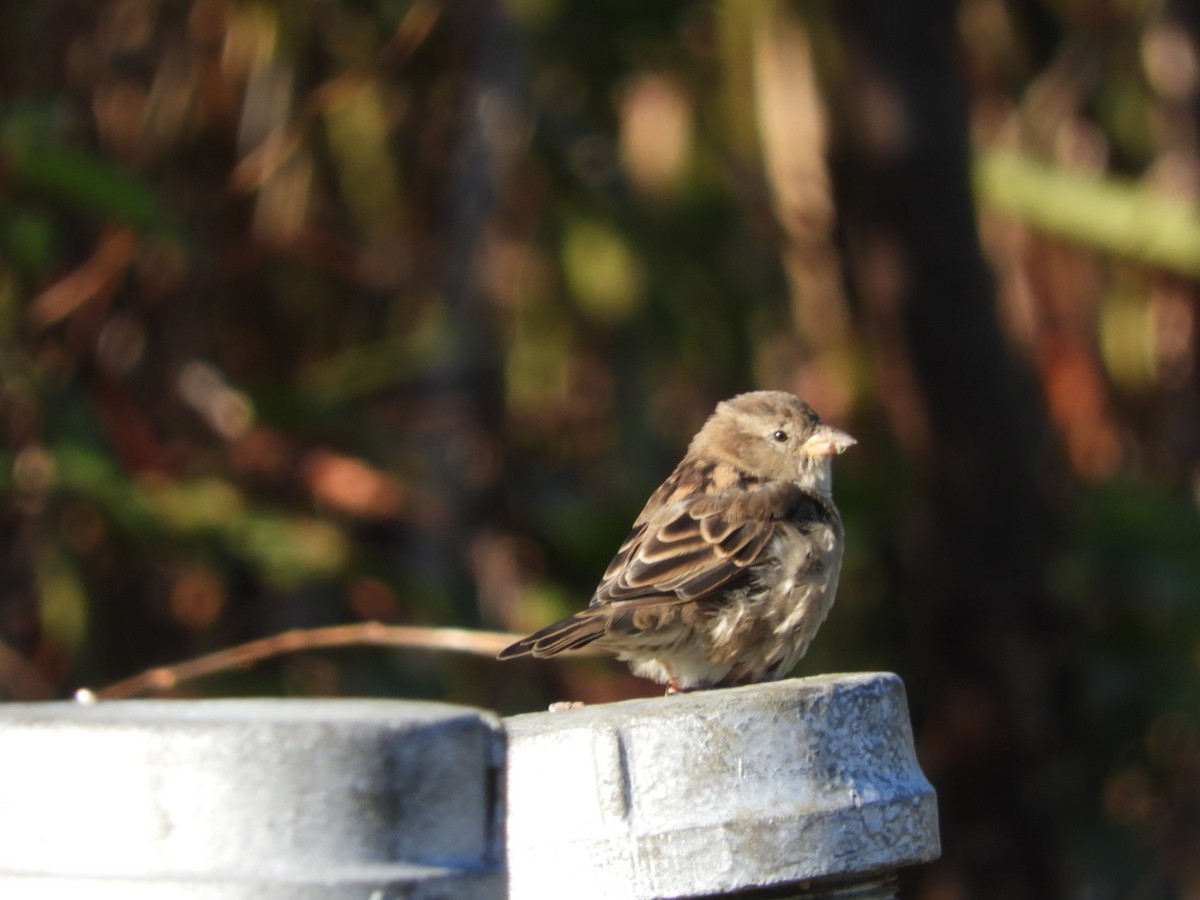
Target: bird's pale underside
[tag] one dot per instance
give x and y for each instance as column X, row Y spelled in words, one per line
column 733, row 563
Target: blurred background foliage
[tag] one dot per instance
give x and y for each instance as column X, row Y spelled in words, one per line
column 396, row 310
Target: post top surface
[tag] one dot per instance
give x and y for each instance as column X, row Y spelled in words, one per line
column 240, row 711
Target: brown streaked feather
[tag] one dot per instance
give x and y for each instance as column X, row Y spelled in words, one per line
column 696, row 545
column 571, row 633
column 699, row 543
column 585, row 627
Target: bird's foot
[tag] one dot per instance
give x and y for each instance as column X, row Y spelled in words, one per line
column 564, row 705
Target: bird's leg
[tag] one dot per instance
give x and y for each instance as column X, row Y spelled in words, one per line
column 672, row 682
column 673, row 685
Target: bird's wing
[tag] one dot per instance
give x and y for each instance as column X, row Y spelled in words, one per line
column 697, row 545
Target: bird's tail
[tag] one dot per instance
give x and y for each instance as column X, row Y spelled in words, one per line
column 571, row 633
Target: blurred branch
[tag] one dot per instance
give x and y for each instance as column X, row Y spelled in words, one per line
column 97, row 277
column 1116, row 216
column 263, row 161
column 359, row 634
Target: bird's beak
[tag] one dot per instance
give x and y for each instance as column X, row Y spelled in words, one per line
column 827, row 441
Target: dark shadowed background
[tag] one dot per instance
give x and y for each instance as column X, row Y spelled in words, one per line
column 330, row 311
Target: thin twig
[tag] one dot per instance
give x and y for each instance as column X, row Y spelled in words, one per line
column 165, row 678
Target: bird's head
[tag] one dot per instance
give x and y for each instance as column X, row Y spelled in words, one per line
column 773, row 435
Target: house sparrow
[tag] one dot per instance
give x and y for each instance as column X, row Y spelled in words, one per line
column 733, row 563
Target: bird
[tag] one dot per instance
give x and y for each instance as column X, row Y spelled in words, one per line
column 732, row 565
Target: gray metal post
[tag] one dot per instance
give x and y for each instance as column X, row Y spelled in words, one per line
column 808, row 786
column 304, row 800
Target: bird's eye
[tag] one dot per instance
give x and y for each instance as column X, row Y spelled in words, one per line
column 780, row 436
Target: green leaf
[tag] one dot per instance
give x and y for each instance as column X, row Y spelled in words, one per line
column 86, row 183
